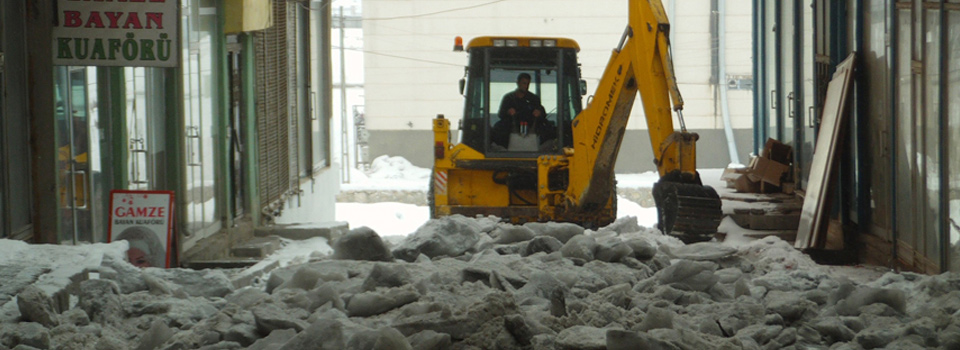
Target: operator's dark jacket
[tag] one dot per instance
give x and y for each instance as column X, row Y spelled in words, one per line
column 524, row 106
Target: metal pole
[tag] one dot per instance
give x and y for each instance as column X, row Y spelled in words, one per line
column 43, row 152
column 344, row 128
column 71, row 154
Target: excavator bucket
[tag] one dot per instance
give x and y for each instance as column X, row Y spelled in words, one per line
column 688, row 211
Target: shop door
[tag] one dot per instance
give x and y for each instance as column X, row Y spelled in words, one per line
column 145, row 129
column 789, row 63
column 237, row 136
column 3, row 162
column 771, row 61
column 81, row 184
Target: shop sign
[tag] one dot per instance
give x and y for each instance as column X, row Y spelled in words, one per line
column 133, row 33
column 145, row 220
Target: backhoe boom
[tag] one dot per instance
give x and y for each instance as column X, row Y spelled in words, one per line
column 640, row 64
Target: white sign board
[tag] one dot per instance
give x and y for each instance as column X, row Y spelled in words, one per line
column 145, row 219
column 137, row 33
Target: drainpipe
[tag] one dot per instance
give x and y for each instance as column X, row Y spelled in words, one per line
column 722, row 80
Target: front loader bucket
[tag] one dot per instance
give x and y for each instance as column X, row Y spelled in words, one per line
column 690, row 212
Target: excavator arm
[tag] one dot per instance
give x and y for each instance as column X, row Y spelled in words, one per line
column 641, row 64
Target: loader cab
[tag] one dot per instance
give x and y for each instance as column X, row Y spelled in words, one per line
column 492, row 71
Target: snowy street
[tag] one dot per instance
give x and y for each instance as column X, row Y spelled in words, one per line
column 400, row 281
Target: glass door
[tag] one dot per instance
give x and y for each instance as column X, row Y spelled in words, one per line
column 201, row 88
column 953, row 125
column 771, row 60
column 788, row 70
column 81, row 184
column 236, row 127
column 145, row 128
column 3, row 162
column 808, row 113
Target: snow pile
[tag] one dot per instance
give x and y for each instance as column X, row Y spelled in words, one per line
column 386, row 167
column 464, row 283
column 388, row 174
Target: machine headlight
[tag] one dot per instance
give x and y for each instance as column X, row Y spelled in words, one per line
column 536, row 43
column 550, row 43
column 499, row 42
column 512, row 43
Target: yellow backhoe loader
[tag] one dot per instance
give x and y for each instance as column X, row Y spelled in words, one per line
column 555, row 162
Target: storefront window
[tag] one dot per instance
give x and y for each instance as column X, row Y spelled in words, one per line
column 906, row 165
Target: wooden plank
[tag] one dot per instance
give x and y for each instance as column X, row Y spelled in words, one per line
column 833, row 120
column 912, row 259
column 834, row 239
column 875, row 250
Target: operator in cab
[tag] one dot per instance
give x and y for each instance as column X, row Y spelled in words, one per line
column 521, row 112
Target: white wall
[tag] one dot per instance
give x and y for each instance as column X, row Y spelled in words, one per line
column 318, row 202
column 411, row 71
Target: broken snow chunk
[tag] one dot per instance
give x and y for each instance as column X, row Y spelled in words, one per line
column 729, row 275
column 386, row 275
column 128, row 277
column 762, row 334
column 582, row 337
column 361, row 243
column 833, row 328
column 101, row 300
column 580, row 247
column 613, row 250
column 36, row 306
column 626, row 224
column 247, row 298
column 204, row 283
column 377, row 302
column 508, row 233
column 305, row 278
column 876, row 338
column 430, row 340
column 657, row 318
column 791, row 306
column 689, row 275
column 741, row 288
column 323, row 334
column 618, row 339
column 269, row 319
column 275, row 340
column 852, row 304
column 561, row 231
column 642, row 249
column 390, row 339
column 546, row 244
column 448, row 236
column 31, row 335
column 158, row 334
column 702, row 251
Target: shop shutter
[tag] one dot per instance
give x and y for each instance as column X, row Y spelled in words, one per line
column 274, row 138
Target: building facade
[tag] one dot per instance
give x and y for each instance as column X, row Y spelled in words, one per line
column 238, row 130
column 411, row 70
column 897, row 197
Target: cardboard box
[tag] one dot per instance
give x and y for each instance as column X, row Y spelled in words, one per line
column 730, row 175
column 769, row 171
column 778, row 152
column 745, row 185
